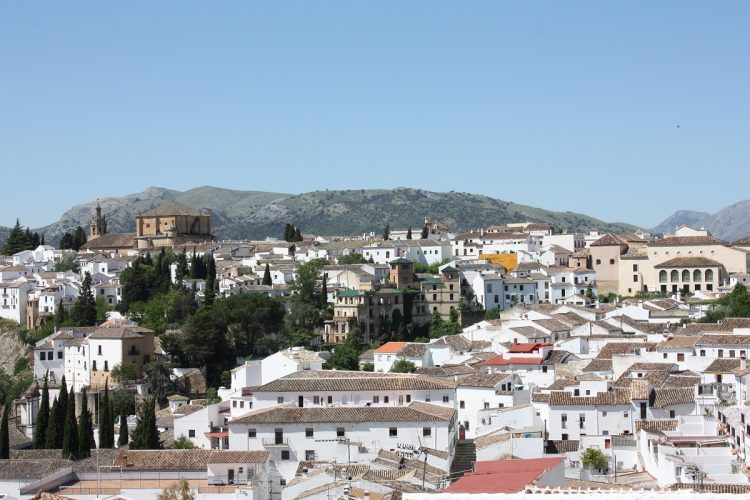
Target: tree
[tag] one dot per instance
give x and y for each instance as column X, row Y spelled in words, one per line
column 145, row 434
column 454, row 323
column 53, row 428
column 593, row 458
column 179, row 490
column 307, row 277
column 66, row 241
column 158, row 374
column 106, row 422
column 123, row 439
column 324, row 291
column 368, row 367
column 288, row 232
column 79, row 238
column 387, row 232
column 346, row 356
column 297, row 234
column 70, row 446
column 437, row 326
column 19, row 240
column 124, row 372
column 403, row 366
column 42, row 418
column 590, row 295
column 182, row 443
column 408, row 233
column 425, row 233
column 85, row 430
column 4, row 435
column 84, row 310
column 735, row 304
column 57, row 430
column 352, row 258
column 68, row 262
column 209, row 292
column 267, row 276
column 181, row 271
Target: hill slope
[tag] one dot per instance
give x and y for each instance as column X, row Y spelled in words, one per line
column 256, row 214
column 730, row 223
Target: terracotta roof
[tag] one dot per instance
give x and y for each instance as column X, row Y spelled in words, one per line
column 183, row 460
column 499, row 360
column 413, row 350
column 609, row 398
column 598, row 365
column 415, row 412
column 336, row 381
column 558, row 447
column 723, row 365
column 482, row 442
column 678, row 342
column 742, row 242
column 115, row 241
column 656, row 425
column 445, row 370
column 482, row 380
column 728, row 340
column 670, row 396
column 390, row 348
column 503, row 476
column 188, row 409
column 687, row 240
column 689, row 262
column 172, row 208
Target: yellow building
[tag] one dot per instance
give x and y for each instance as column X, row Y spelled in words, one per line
column 508, row 260
column 172, row 224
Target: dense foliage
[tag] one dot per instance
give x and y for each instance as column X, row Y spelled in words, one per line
column 74, row 240
column 735, row 304
column 19, row 240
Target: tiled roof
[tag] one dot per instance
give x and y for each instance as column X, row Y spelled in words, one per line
column 656, row 425
column 670, row 396
column 482, row 380
column 456, row 343
column 598, row 365
column 558, row 447
column 622, row 348
column 445, row 370
column 689, row 262
column 687, row 240
column 120, row 332
column 184, row 460
column 188, row 409
column 390, row 348
column 172, row 208
column 678, row 342
column 482, row 442
column 558, row 356
column 728, row 340
column 113, row 241
column 609, row 398
column 415, row 412
column 723, row 365
column 413, row 350
column 336, row 381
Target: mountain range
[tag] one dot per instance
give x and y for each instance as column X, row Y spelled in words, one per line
column 258, row 214
column 730, row 223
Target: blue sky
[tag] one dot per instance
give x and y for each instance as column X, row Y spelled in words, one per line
column 563, row 105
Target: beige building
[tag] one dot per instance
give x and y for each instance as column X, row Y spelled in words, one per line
column 626, row 265
column 172, row 224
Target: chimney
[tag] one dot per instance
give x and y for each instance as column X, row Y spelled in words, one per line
column 515, row 340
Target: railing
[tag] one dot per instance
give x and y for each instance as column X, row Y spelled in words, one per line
column 284, row 442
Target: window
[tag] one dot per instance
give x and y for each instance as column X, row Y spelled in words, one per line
column 408, row 398
column 703, row 352
column 330, row 400
column 280, row 400
column 191, row 433
column 576, row 392
column 445, row 399
column 316, row 400
column 611, row 262
column 721, row 353
column 671, row 413
column 564, row 421
column 385, row 399
column 234, row 403
column 581, row 421
column 285, row 454
column 393, row 432
column 604, row 414
column 486, row 405
column 544, row 368
column 426, row 431
column 93, row 365
column 42, row 356
column 598, row 261
column 376, row 399
column 242, row 404
column 310, row 455
column 340, row 432
column 731, row 353
column 59, row 354
column 99, row 350
column 282, row 482
column 462, row 405
column 635, row 278
column 635, row 268
column 251, row 433
column 309, row 432
column 106, row 365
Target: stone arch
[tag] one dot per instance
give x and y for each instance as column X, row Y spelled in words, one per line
column 685, row 276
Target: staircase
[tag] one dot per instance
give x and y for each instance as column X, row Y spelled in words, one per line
column 464, row 458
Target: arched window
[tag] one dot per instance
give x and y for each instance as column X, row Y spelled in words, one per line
column 598, row 261
column 685, row 276
column 697, row 276
column 612, row 261
column 674, row 276
column 662, row 276
column 709, row 275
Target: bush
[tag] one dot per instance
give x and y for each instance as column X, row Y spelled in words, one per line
column 593, row 458
column 403, row 366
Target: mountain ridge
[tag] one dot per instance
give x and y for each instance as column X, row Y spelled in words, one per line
column 730, row 223
column 240, row 214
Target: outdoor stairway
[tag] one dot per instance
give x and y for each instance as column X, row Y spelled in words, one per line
column 464, row 458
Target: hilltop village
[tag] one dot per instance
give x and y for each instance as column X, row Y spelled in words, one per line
column 404, row 363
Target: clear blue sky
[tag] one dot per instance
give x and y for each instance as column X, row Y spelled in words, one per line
column 561, row 104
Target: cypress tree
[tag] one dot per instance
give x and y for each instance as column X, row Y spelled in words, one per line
column 408, row 233
column 297, row 234
column 42, row 242
column 425, row 232
column 123, row 439
column 66, row 242
column 70, row 434
column 4, row 436
column 84, row 310
column 146, row 435
column 42, row 418
column 61, row 315
column 387, row 232
column 79, row 238
column 324, row 291
column 53, row 427
column 85, row 430
column 105, row 419
column 267, row 276
column 62, row 413
column 288, row 232
column 209, row 291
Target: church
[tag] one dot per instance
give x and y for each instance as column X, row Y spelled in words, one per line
column 169, row 225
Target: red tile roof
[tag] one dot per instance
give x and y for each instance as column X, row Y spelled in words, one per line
column 499, row 360
column 390, row 347
column 528, row 346
column 503, row 476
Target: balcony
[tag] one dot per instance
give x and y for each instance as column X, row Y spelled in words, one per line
column 275, row 443
column 134, row 352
